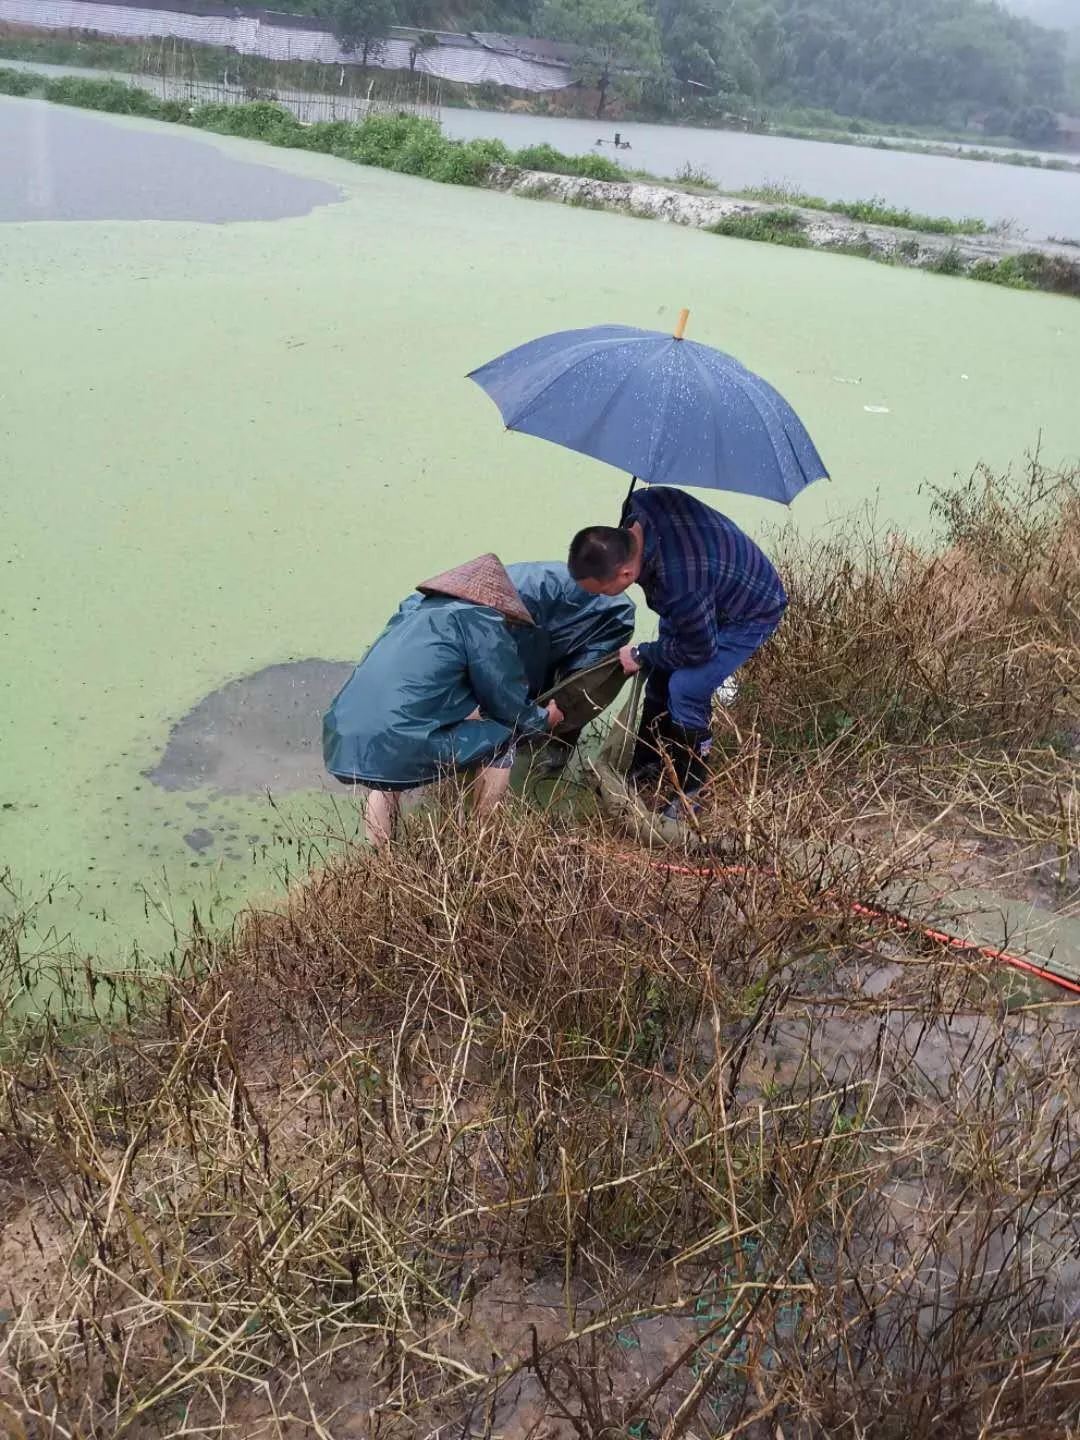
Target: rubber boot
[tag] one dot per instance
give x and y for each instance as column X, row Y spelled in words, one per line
column 645, row 762
column 689, row 757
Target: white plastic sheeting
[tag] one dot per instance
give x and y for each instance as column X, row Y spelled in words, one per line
column 454, row 58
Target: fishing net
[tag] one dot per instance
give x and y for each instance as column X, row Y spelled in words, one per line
column 585, row 696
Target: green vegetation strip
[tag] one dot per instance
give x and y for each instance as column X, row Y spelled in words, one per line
column 875, row 211
column 1031, row 270
column 414, row 146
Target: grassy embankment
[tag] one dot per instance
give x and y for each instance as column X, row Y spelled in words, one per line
column 695, row 179
column 526, row 1129
column 876, row 211
column 418, row 147
column 1029, row 270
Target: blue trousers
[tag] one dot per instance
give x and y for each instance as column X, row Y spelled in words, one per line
column 687, row 694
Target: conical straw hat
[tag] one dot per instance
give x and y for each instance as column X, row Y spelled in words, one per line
column 484, row 581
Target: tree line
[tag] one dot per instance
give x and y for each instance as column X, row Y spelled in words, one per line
column 930, row 62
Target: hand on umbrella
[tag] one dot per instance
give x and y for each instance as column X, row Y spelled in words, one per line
column 555, row 715
column 628, row 660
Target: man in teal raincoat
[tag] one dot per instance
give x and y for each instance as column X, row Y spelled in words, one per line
column 446, row 686
column 572, row 630
column 443, row 688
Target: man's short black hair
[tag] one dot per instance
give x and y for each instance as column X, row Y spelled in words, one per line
column 599, row 552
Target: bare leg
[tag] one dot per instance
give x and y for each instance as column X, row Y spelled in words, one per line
column 383, row 808
column 489, row 787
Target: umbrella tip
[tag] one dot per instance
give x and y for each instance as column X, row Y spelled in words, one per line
column 680, row 327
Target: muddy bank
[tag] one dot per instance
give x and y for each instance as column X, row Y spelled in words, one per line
column 811, row 229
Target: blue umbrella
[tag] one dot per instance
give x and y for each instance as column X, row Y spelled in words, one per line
column 664, row 409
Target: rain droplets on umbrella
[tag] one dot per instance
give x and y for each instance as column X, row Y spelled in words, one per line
column 663, row 409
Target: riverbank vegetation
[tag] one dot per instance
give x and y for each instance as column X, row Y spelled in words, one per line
column 876, row 211
column 407, row 143
column 527, row 1127
column 1027, row 270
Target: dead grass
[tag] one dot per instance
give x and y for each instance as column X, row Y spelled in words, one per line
column 515, row 1064
column 940, row 678
column 974, row 638
column 517, row 1132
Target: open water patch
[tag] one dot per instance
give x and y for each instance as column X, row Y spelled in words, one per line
column 261, row 732
column 58, row 163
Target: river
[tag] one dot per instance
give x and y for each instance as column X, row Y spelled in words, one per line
column 236, row 431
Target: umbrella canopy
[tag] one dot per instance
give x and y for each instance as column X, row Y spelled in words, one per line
column 664, row 409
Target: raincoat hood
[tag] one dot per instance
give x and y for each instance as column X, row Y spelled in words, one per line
column 573, row 629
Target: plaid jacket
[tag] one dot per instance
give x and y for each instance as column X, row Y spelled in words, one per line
column 699, row 572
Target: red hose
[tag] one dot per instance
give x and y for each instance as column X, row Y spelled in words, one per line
column 940, row 937
column 969, row 947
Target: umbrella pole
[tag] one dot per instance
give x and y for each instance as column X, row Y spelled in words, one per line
column 626, row 502
column 680, row 331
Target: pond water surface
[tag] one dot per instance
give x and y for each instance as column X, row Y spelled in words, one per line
column 228, row 447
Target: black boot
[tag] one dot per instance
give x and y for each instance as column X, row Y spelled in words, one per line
column 689, row 752
column 645, row 762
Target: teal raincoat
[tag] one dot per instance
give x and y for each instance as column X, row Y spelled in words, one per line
column 573, row 628
column 400, row 719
